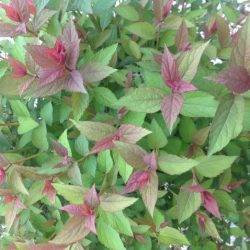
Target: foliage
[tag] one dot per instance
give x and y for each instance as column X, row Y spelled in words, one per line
column 124, row 124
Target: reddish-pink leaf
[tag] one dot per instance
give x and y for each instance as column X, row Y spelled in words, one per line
column 75, row 83
column 92, row 198
column 11, row 30
column 2, row 175
column 202, row 221
column 49, row 191
column 149, row 192
column 210, row 203
column 170, row 108
column 234, row 185
column 181, row 38
column 131, row 134
column 90, row 223
column 183, row 86
column 106, row 143
column 18, row 68
column 151, row 161
column 167, row 8
column 158, row 10
column 78, row 210
column 22, row 8
column 236, row 79
column 11, row 12
column 196, row 188
column 45, row 246
column 60, row 149
column 137, row 180
column 210, row 28
column 9, row 198
column 71, row 42
column 169, row 69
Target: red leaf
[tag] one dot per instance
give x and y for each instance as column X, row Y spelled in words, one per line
column 10, row 30
column 92, row 198
column 11, row 12
column 236, row 79
column 181, row 38
column 170, row 108
column 49, row 191
column 169, row 69
column 2, row 175
column 196, row 188
column 60, row 149
column 71, row 42
column 202, row 221
column 106, row 143
column 82, row 210
column 22, row 8
column 210, row 203
column 90, row 224
column 211, row 27
column 75, row 83
column 233, row 185
column 151, row 161
column 137, row 180
column 167, row 8
column 32, row 7
column 18, row 68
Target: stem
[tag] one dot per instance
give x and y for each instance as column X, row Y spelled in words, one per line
column 9, row 124
column 27, row 158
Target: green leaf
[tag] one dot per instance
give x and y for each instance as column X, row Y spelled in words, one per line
column 158, row 138
column 211, row 166
column 108, row 236
column 100, row 6
column 199, row 104
column 39, row 137
column 105, row 97
column 105, row 55
column 105, row 161
column 79, row 103
column 63, row 139
column 118, row 221
column 94, row 130
column 16, row 182
column 171, row 236
column 227, row 123
column 40, row 4
column 125, row 170
column 115, row 202
column 143, row 99
column 173, row 164
column 47, row 113
column 187, row 204
column 188, row 61
column 142, row 29
column 95, row 72
column 128, row 12
column 73, row 194
column 19, row 108
column 26, row 124
column 131, row 48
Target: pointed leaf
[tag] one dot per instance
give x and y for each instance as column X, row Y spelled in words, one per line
column 227, row 123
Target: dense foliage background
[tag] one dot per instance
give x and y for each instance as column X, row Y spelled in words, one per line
column 124, row 125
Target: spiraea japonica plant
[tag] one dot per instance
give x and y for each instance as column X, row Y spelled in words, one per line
column 124, row 124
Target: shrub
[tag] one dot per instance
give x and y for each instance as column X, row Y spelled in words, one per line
column 124, row 125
